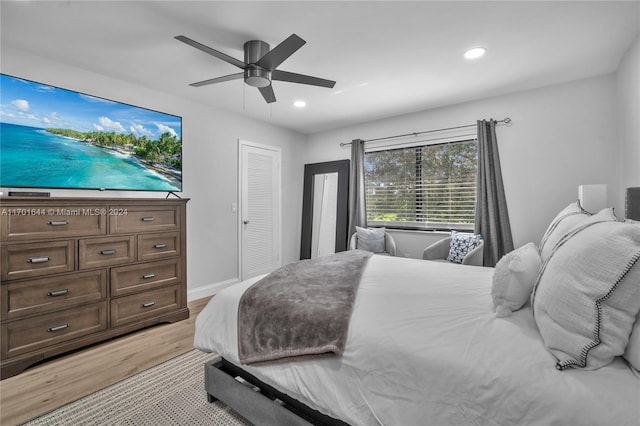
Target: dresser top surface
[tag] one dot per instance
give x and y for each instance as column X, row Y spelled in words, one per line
column 4, row 201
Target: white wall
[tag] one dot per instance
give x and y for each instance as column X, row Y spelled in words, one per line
column 560, row 137
column 628, row 114
column 210, row 163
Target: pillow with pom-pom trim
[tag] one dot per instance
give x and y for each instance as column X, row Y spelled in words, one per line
column 586, row 298
column 569, row 217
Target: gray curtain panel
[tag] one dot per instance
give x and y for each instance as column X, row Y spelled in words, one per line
column 492, row 217
column 357, row 204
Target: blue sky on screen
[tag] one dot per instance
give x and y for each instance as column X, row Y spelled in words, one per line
column 38, row 105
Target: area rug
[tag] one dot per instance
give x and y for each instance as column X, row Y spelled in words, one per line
column 171, row 393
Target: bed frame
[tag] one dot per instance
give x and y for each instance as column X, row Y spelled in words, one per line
column 255, row 400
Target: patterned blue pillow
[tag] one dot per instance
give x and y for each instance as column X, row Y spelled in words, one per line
column 461, row 244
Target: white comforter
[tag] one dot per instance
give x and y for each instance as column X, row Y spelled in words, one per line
column 424, row 348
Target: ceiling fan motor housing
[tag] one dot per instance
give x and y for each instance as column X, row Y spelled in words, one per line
column 255, row 75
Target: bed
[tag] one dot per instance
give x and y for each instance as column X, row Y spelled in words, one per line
column 425, row 347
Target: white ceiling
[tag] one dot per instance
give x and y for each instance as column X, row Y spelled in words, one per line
column 388, row 57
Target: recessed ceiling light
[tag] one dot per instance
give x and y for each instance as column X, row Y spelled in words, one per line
column 474, row 53
column 299, row 104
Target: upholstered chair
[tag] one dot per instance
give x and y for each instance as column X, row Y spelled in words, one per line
column 440, row 251
column 389, row 244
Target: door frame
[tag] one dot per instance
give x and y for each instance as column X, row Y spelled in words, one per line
column 241, row 207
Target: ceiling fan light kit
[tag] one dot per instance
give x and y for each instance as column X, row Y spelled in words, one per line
column 259, row 66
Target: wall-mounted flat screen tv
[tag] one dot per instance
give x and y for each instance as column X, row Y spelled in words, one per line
column 56, row 138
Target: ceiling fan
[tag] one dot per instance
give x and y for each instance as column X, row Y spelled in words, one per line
column 260, row 65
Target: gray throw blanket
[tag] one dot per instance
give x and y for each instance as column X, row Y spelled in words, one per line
column 302, row 309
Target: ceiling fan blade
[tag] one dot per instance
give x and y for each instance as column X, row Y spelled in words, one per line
column 301, row 79
column 267, row 93
column 218, row 79
column 212, row 52
column 278, row 54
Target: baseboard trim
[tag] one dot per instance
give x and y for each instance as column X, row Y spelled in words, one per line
column 209, row 289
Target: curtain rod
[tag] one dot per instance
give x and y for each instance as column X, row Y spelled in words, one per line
column 507, row 120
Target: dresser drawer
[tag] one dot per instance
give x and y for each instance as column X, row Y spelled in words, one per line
column 143, row 219
column 142, row 277
column 35, row 333
column 149, row 304
column 158, row 246
column 37, row 259
column 54, row 293
column 37, row 222
column 100, row 252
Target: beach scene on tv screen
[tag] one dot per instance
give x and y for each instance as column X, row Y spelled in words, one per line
column 57, row 138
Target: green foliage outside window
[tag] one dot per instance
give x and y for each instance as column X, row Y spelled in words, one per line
column 428, row 186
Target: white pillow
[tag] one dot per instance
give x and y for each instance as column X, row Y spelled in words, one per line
column 513, row 279
column 568, row 217
column 370, row 239
column 587, row 297
column 632, row 353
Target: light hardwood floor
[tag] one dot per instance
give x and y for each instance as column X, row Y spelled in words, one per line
column 54, row 383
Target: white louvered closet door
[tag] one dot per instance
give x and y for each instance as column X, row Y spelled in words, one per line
column 259, row 209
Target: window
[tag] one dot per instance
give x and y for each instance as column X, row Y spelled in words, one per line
column 422, row 187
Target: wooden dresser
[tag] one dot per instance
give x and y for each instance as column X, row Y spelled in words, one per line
column 76, row 271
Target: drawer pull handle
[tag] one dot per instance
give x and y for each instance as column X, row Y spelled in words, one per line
column 107, row 252
column 148, row 304
column 160, row 246
column 43, row 259
column 148, row 276
column 58, row 327
column 55, row 293
column 148, row 219
column 58, row 222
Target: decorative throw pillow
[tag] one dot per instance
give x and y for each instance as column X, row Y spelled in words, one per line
column 370, row 239
column 568, row 217
column 586, row 298
column 632, row 353
column 513, row 279
column 461, row 244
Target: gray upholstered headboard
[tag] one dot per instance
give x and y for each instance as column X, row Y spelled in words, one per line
column 632, row 203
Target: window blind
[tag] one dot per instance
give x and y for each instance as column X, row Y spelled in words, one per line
column 422, row 187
